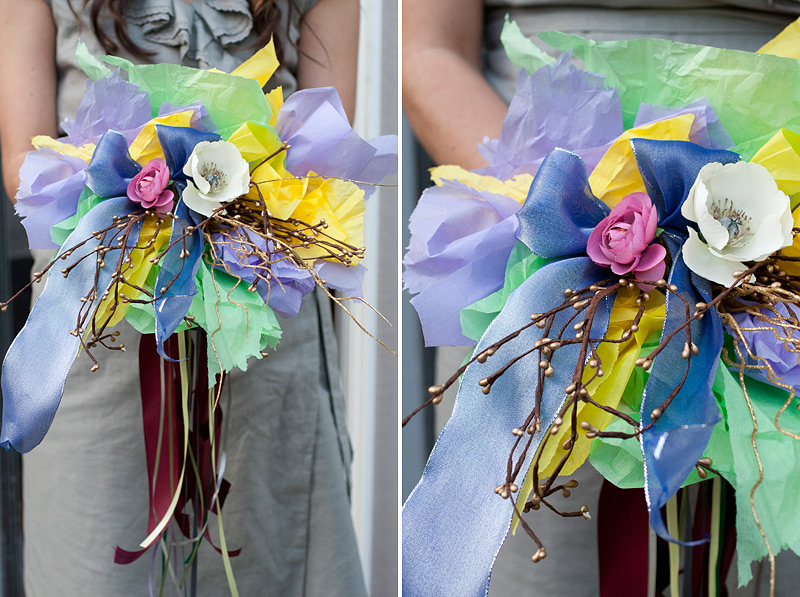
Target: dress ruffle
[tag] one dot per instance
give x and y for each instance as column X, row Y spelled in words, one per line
column 200, row 30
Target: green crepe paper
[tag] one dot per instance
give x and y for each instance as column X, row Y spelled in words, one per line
column 620, row 460
column 521, row 50
column 246, row 328
column 476, row 317
column 754, row 95
column 230, row 100
column 142, row 317
column 89, row 64
column 61, row 231
column 777, row 499
column 235, row 331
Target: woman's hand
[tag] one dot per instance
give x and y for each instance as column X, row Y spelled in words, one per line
column 449, row 104
column 28, row 82
column 328, row 49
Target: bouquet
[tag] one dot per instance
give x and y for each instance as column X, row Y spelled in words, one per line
column 631, row 276
column 184, row 199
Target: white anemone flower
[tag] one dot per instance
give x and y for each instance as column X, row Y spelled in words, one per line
column 742, row 216
column 218, row 173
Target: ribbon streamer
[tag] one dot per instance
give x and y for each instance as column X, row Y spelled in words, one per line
column 453, row 522
column 672, row 446
column 175, row 284
column 678, row 438
column 36, row 366
column 178, row 273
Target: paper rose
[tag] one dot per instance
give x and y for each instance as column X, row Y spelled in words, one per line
column 742, row 216
column 149, row 187
column 217, row 173
column 622, row 240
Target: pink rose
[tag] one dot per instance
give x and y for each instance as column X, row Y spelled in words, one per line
column 622, row 240
column 149, row 187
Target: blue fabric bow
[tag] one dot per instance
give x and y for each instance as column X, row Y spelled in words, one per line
column 36, row 366
column 453, row 523
column 672, row 446
column 177, row 273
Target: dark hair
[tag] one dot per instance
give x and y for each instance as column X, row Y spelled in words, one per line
column 266, row 20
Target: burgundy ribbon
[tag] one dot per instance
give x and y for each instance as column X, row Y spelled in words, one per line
column 622, row 539
column 163, row 469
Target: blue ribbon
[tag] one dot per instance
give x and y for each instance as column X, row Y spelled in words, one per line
column 36, row 366
column 177, row 276
column 453, row 522
column 673, row 444
column 560, row 212
column 111, row 168
column 178, row 142
column 669, row 169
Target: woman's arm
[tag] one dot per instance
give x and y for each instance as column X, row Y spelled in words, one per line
column 449, row 104
column 27, row 82
column 328, row 49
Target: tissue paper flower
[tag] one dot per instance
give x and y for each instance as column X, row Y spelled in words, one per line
column 218, row 173
column 177, row 207
column 742, row 215
column 640, row 170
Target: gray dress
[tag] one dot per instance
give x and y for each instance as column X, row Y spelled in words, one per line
column 288, row 453
column 571, row 566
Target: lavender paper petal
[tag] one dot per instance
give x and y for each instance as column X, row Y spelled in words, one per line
column 285, row 299
column 287, row 296
column 706, row 130
column 284, row 296
column 763, row 343
column 556, row 106
column 200, row 118
column 346, row 279
column 108, row 103
column 460, row 242
column 314, row 123
column 50, row 185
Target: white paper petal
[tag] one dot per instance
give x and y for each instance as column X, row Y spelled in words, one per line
column 192, row 168
column 197, row 201
column 749, row 186
column 715, row 233
column 699, row 259
column 762, row 242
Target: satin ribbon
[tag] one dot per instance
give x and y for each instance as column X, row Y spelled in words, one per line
column 163, row 440
column 111, row 168
column 672, row 446
column 205, row 491
column 622, row 542
column 560, row 212
column 678, row 438
column 453, row 522
column 175, row 284
column 163, row 433
column 36, row 366
column 178, row 143
column 177, row 274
